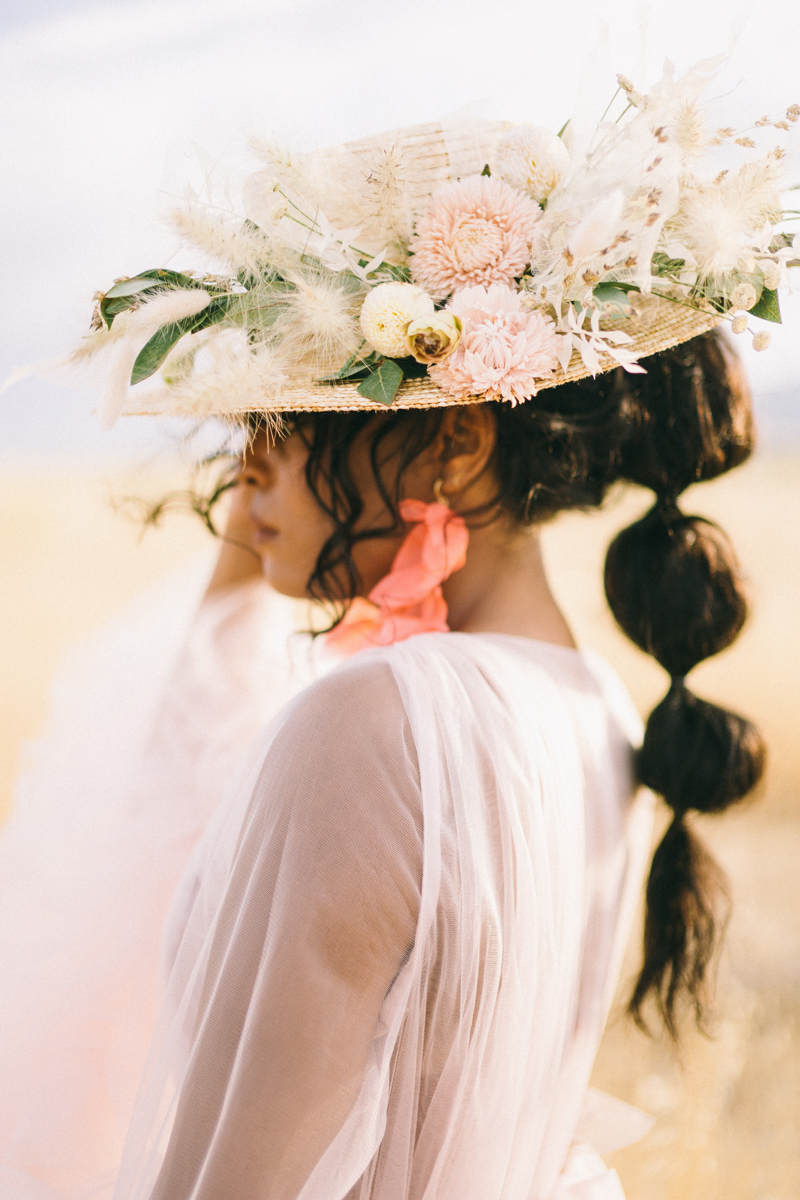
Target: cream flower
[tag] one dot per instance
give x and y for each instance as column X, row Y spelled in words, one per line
column 532, row 159
column 430, row 339
column 772, row 273
column 476, row 231
column 739, row 323
column 744, row 296
column 503, row 350
column 387, row 312
column 761, row 341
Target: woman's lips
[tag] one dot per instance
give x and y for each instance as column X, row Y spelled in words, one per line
column 263, row 534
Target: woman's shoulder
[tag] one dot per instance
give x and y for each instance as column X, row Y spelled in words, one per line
column 350, row 721
column 359, row 689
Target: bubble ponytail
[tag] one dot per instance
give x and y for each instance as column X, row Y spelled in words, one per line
column 673, row 585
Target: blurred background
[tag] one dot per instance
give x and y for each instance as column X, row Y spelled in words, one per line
column 104, row 106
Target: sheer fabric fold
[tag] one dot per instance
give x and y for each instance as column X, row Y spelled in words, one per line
column 393, row 953
column 147, row 728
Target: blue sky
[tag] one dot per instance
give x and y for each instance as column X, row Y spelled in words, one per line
column 100, row 100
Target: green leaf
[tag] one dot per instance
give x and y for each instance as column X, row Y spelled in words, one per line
column 149, row 279
column 563, row 128
column 768, row 308
column 355, row 366
column 486, row 170
column 129, row 287
column 128, row 292
column 411, row 368
column 666, row 265
column 382, row 384
column 612, row 298
column 155, row 352
column 395, row 271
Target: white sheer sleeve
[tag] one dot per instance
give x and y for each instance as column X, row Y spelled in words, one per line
column 315, row 920
column 148, row 724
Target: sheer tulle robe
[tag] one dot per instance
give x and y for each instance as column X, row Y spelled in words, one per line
column 146, row 729
column 398, row 941
column 392, row 954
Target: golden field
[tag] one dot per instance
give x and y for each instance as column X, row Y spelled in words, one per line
column 728, row 1107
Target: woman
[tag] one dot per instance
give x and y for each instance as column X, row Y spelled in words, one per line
column 390, row 960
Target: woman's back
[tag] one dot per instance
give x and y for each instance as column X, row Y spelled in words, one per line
column 395, row 974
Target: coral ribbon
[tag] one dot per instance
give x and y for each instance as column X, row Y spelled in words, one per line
column 409, row 599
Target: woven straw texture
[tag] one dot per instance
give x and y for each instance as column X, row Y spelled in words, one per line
column 657, row 325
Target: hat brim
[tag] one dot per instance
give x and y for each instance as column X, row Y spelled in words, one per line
column 658, row 325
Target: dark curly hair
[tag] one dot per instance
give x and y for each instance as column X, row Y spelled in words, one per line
column 671, row 581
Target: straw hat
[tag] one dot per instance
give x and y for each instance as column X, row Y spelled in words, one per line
column 455, row 262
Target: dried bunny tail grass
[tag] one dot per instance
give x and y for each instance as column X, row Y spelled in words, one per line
column 239, row 377
column 275, row 156
column 690, row 129
column 135, row 330
column 384, row 202
column 293, row 172
column 319, row 323
column 241, row 248
column 718, row 221
column 755, row 190
column 94, row 343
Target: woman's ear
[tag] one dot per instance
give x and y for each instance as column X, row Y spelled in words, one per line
column 467, row 441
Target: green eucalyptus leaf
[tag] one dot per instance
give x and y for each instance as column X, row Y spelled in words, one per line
column 412, row 369
column 395, row 271
column 150, row 279
column 383, row 383
column 129, row 287
column 612, row 298
column 355, row 366
column 155, row 352
column 664, row 265
column 264, row 303
column 768, row 308
column 216, row 311
column 128, row 292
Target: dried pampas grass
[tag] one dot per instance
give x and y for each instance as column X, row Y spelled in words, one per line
column 720, row 221
column 318, row 326
column 230, row 376
column 241, row 249
column 132, row 330
column 382, row 205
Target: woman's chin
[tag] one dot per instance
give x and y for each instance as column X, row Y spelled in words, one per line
column 285, row 581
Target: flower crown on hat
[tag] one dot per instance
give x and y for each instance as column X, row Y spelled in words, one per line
column 459, row 261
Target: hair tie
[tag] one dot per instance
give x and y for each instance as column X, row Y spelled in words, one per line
column 677, row 683
column 667, row 506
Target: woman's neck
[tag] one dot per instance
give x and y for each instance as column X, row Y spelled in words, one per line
column 503, row 588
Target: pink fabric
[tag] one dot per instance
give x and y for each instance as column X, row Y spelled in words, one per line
column 409, row 599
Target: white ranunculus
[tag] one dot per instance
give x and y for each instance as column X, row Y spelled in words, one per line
column 744, row 296
column 532, row 159
column 430, row 339
column 772, row 273
column 387, row 312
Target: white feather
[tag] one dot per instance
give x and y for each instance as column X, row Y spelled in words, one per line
column 230, row 376
column 599, row 227
column 137, row 327
column 238, row 248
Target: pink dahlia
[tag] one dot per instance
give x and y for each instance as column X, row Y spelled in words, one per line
column 477, row 231
column 503, row 350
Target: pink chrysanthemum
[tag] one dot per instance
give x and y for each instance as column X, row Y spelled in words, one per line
column 503, row 350
column 477, row 231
